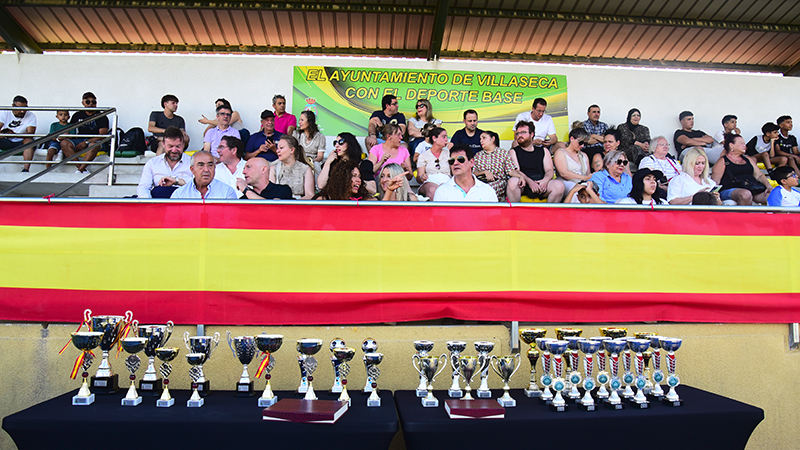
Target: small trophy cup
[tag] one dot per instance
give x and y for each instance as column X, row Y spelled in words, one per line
column 529, row 337
column 268, row 344
column 574, row 376
column 166, row 354
column 671, row 345
column 639, row 346
column 455, row 348
column 345, row 355
column 428, row 367
column 558, row 348
column 547, row 378
column 196, row 360
column 133, row 346
column 104, row 380
column 157, row 337
column 371, row 361
column 658, row 374
column 85, row 341
column 614, row 332
column 422, row 348
column 336, row 362
column 308, row 364
column 589, row 348
column 469, row 366
column 484, row 348
column 244, row 349
column 369, row 345
column 204, row 345
column 506, row 367
column 602, row 375
column 614, row 346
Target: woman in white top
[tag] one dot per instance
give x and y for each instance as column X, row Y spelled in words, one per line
column 308, row 135
column 432, row 166
column 423, row 116
column 692, row 180
column 660, row 161
column 571, row 163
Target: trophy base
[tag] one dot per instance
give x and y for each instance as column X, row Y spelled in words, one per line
column 105, row 385
column 610, row 405
column 204, row 388
column 422, row 392
column 558, row 408
column 267, row 402
column 195, row 403
column 165, row 403
column 245, row 389
column 545, row 401
column 642, row 405
column 590, row 407
column 507, row 403
column 336, row 390
column 574, row 399
column 83, row 401
column 455, row 393
column 484, row 394
column 430, row 402
column 151, row 388
column 131, row 401
column 674, row 403
column 373, row 403
column 530, row 393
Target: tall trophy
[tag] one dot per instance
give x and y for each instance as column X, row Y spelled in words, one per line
column 166, row 354
column 344, row 355
column 484, row 348
column 422, row 348
column 336, row 362
column 658, row 374
column 671, row 345
column 571, row 355
column 196, row 361
column 639, row 346
column 204, row 345
column 85, row 341
column 268, row 344
column 429, row 368
column 506, row 367
column 547, row 378
column 574, row 375
column 557, row 349
column 113, row 328
column 369, row 345
column 371, row 361
column 603, row 377
column 244, row 349
column 589, row 348
column 614, row 346
column 529, row 336
column 455, row 348
column 157, row 336
column 308, row 364
column 628, row 377
column 648, row 355
column 133, row 346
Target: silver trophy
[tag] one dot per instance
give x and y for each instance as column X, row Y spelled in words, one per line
column 506, row 367
column 422, row 348
column 369, row 345
column 628, row 377
column 244, row 349
column 133, row 346
column 603, row 377
column 166, row 354
column 639, row 346
column 468, row 367
column 589, row 348
column 196, row 361
column 345, row 355
column 157, row 337
column 204, row 345
column 529, row 336
column 671, row 345
column 85, row 341
column 428, row 367
column 547, row 376
column 371, row 361
column 105, row 381
column 336, row 362
column 268, row 344
column 574, row 375
column 658, row 374
column 308, row 364
column 484, row 348
column 614, row 347
column 558, row 348
column 455, row 348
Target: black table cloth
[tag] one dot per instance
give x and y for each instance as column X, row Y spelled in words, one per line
column 224, row 421
column 705, row 421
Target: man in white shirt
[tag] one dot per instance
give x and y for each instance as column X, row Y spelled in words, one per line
column 18, row 121
column 463, row 187
column 204, row 185
column 545, row 127
column 163, row 174
column 729, row 123
column 231, row 164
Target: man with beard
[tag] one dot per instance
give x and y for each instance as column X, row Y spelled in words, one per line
column 164, row 173
column 18, row 121
column 470, row 134
column 204, row 185
column 536, row 165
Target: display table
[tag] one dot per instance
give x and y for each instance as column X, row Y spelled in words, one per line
column 224, row 421
column 705, row 421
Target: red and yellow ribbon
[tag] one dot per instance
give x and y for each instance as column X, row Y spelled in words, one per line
column 263, row 365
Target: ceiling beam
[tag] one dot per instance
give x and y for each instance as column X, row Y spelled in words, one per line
column 16, row 36
column 437, row 33
column 793, row 71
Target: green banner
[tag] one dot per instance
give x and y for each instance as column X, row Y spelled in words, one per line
column 343, row 98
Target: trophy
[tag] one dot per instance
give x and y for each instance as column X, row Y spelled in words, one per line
column 308, row 364
column 614, row 332
column 422, row 348
column 345, row 355
column 455, row 348
column 658, row 374
column 369, row 345
column 371, row 361
column 484, row 348
column 589, row 348
column 104, row 380
column 614, row 346
column 648, row 355
column 671, row 345
column 166, row 354
column 196, row 360
column 627, row 377
column 506, row 367
column 204, row 345
column 602, row 375
column 133, row 346
column 428, row 367
column 529, row 336
column 157, row 336
column 268, row 344
column 85, row 341
column 468, row 367
column 336, row 362
column 547, row 377
column 574, row 376
column 558, row 348
column 639, row 346
column 244, row 349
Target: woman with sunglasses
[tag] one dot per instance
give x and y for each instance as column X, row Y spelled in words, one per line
column 572, row 164
column 394, row 185
column 344, row 183
column 422, row 117
column 741, row 179
column 661, row 161
column 498, row 167
column 309, row 137
column 292, row 168
column 645, row 189
column 635, row 137
column 345, row 149
column 612, row 182
column 391, row 151
column 432, row 167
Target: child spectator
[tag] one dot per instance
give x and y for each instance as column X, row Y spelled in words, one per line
column 763, row 148
column 55, row 144
column 787, row 193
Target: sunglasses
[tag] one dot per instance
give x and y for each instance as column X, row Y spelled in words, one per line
column 460, row 159
column 437, row 163
column 622, row 162
column 90, row 102
column 224, row 114
column 420, row 105
column 339, row 142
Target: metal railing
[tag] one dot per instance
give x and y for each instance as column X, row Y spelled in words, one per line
column 46, row 138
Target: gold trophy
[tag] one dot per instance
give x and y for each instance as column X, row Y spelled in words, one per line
column 85, row 341
column 133, row 346
column 345, row 355
column 529, row 336
column 166, row 354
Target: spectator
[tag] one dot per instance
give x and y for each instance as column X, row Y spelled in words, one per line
column 572, row 165
column 470, row 134
column 498, row 167
column 263, row 144
column 18, row 121
column 634, row 138
column 613, row 183
column 230, row 169
column 644, row 190
column 235, row 120
column 347, row 149
column 596, row 130
column 765, row 148
column 256, row 185
column 214, row 136
column 344, row 183
column 692, row 179
column 55, row 144
column 611, row 142
column 787, row 143
column 293, row 169
column 422, row 117
column 99, row 126
column 394, row 184
column 391, row 151
column 729, row 123
column 536, row 166
column 786, row 194
column 583, row 193
column 285, row 123
column 706, row 198
column 463, row 187
column 432, row 167
column 687, row 136
column 164, row 173
column 160, row 120
column 388, row 116
column 204, row 185
column 662, row 161
column 738, row 174
column 310, row 138
column 545, row 128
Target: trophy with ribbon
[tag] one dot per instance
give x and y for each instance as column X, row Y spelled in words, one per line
column 85, row 341
column 105, row 381
column 196, row 361
column 455, row 348
column 369, row 345
column 484, row 348
column 244, row 349
column 428, row 368
column 603, row 377
column 204, row 345
column 371, row 361
column 132, row 363
column 166, row 354
column 658, row 374
column 547, row 378
column 529, row 336
column 337, row 363
column 157, row 337
column 589, row 348
column 422, row 348
column 671, row 345
column 614, row 346
column 268, row 344
column 308, row 364
column 505, row 367
column 344, row 355
column 639, row 346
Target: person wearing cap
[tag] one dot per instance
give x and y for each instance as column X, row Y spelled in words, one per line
column 264, row 143
column 687, row 136
column 786, row 194
column 764, row 148
column 645, row 189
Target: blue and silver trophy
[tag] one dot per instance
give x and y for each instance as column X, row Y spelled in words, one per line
column 639, row 346
column 658, row 374
column 547, row 376
column 614, row 346
column 558, row 348
column 589, row 348
column 671, row 345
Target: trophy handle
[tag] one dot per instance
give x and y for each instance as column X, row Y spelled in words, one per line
column 128, row 315
column 230, row 344
column 186, row 340
column 518, row 357
column 484, row 362
column 442, row 365
column 415, row 363
column 216, row 342
column 87, row 315
column 493, row 363
column 170, row 327
column 134, row 326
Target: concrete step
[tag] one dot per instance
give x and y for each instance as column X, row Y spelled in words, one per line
column 116, row 191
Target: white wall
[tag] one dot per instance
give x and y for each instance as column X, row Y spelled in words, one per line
column 134, row 83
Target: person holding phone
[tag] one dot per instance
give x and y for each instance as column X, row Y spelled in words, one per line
column 692, row 180
column 264, row 143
